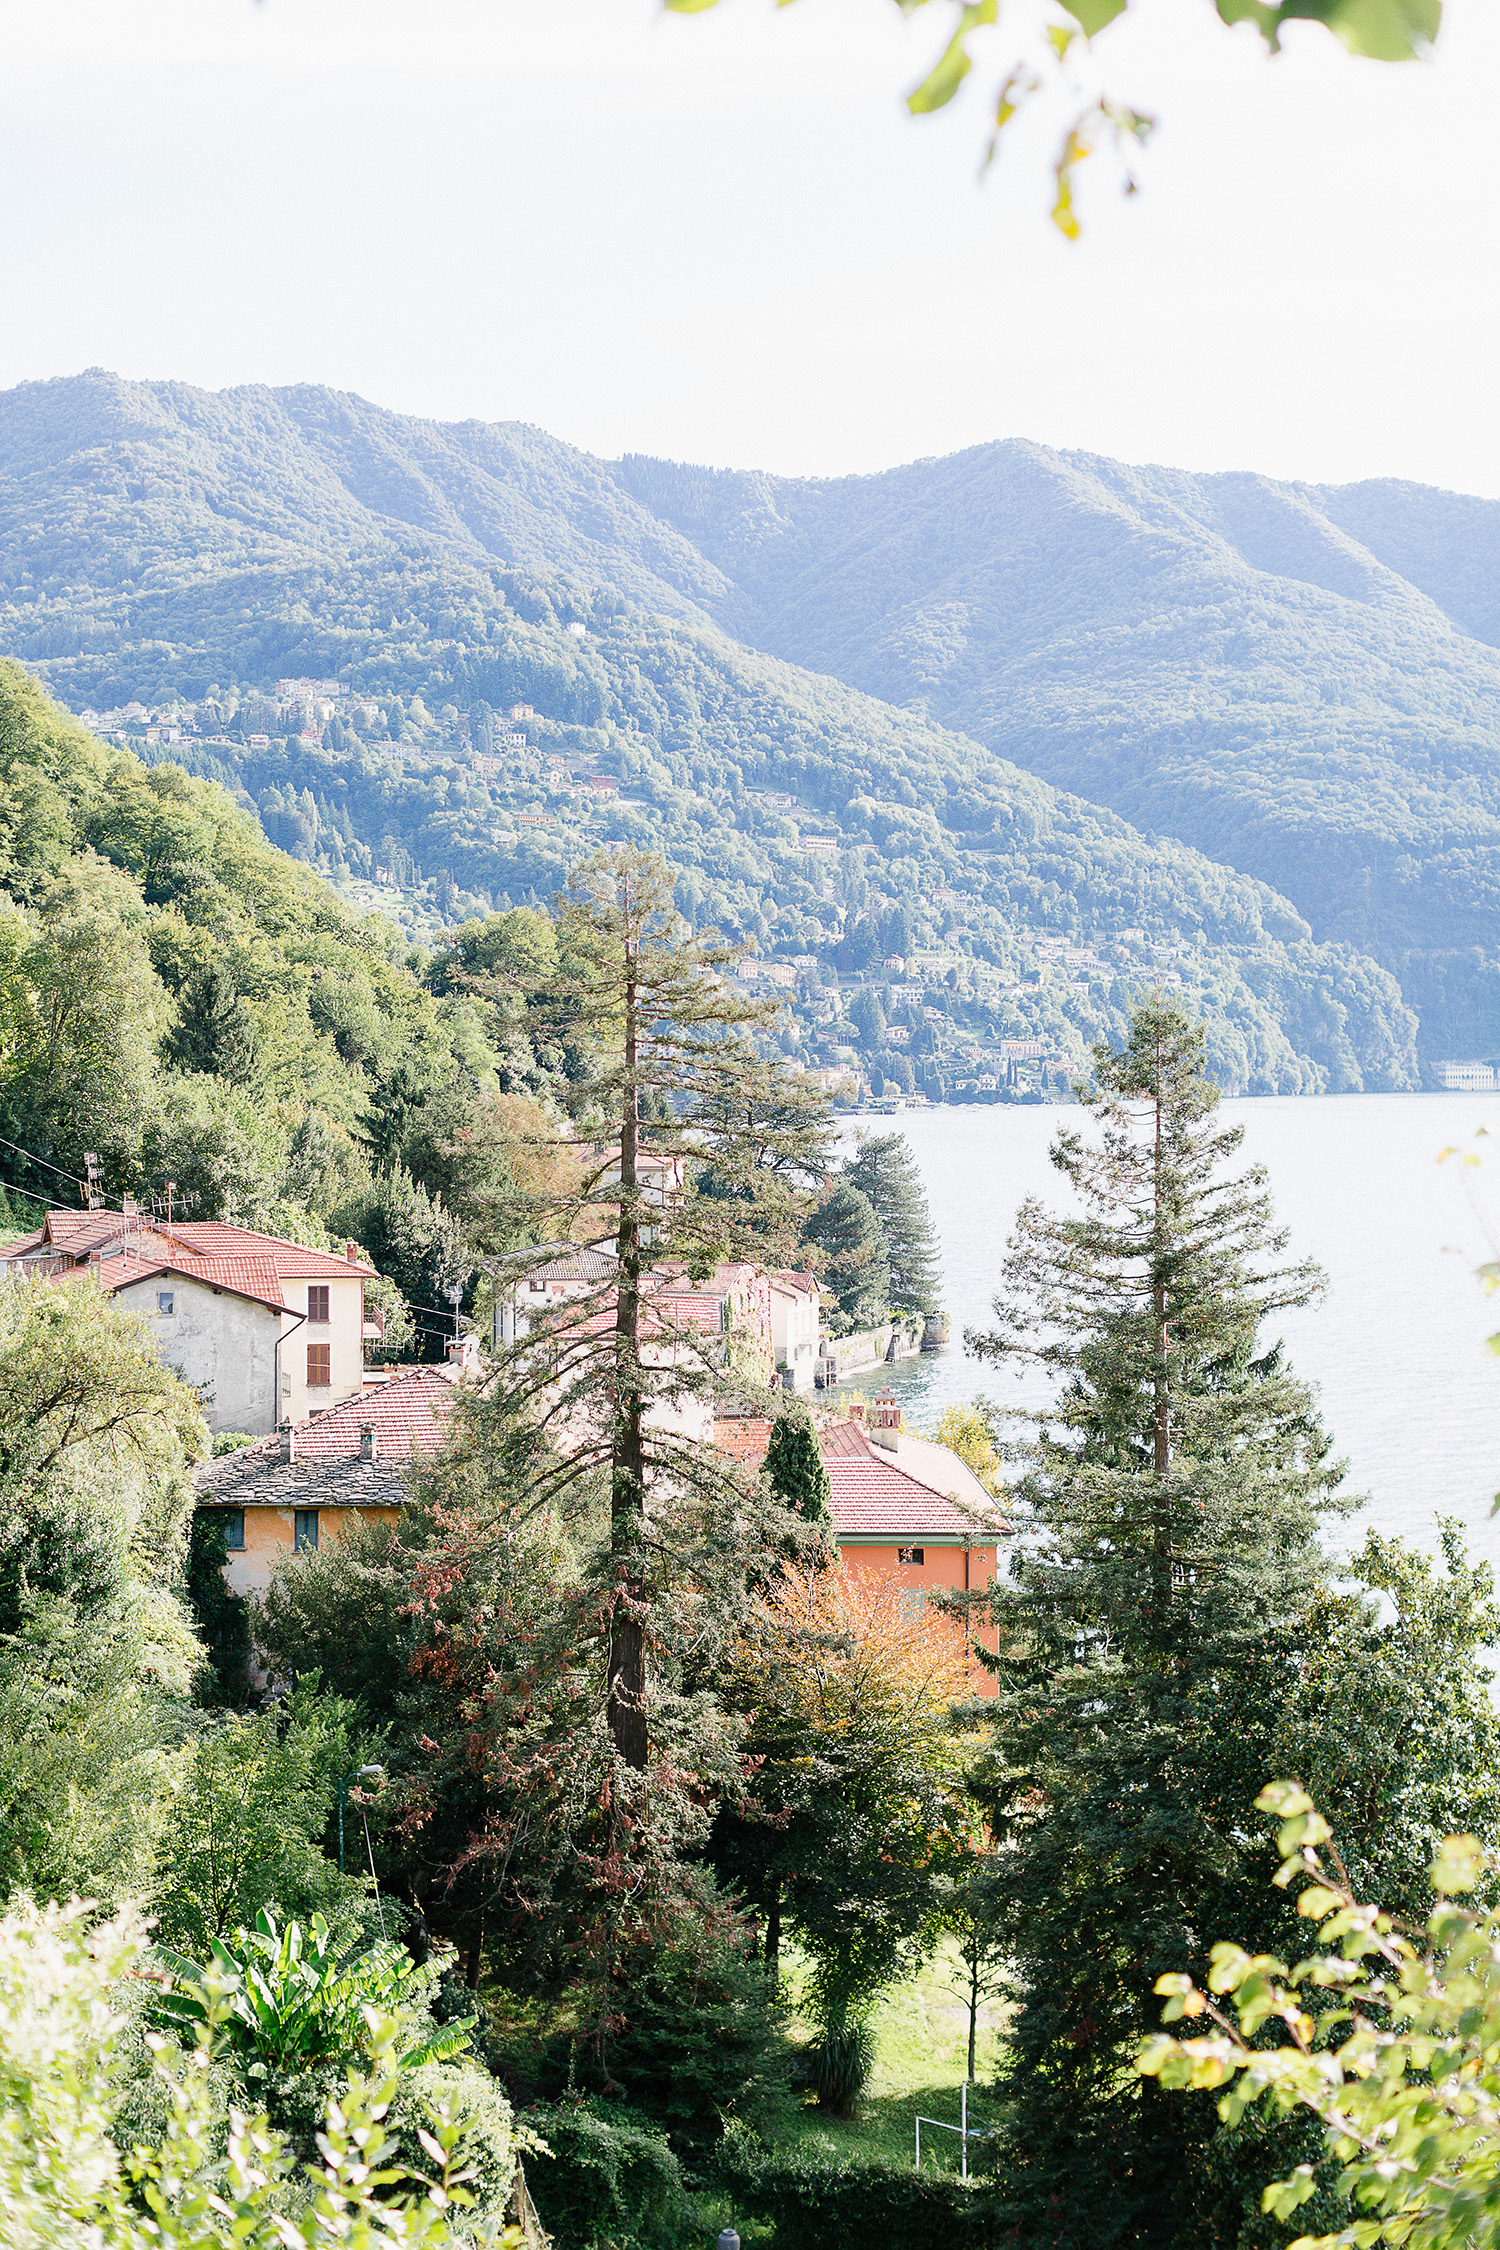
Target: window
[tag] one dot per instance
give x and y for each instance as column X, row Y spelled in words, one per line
column 304, row 1529
column 317, row 1302
column 164, row 1300
column 319, row 1370
column 911, row 1554
column 233, row 1520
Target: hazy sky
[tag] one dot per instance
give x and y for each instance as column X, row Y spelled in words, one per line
column 720, row 238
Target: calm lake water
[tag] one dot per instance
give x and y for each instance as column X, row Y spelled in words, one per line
column 1396, row 1349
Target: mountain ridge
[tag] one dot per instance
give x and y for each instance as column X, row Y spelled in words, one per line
column 1325, row 727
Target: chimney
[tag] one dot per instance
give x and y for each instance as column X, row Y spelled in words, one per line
column 351, row 1252
column 856, row 1408
column 288, row 1442
column 885, row 1422
column 367, row 1441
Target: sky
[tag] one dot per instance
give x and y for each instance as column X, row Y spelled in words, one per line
column 721, row 238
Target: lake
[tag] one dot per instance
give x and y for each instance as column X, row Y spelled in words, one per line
column 1396, row 1349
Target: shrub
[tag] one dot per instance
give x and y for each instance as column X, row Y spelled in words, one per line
column 247, row 1822
column 486, row 2146
column 288, row 1998
column 613, row 2184
column 812, row 2201
column 694, row 2040
column 700, row 2042
column 63, row 2180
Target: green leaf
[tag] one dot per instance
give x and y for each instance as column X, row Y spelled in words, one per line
column 940, row 86
column 1091, row 16
column 1386, row 30
column 1459, row 1863
column 1382, row 30
column 1282, row 2197
column 1284, row 1798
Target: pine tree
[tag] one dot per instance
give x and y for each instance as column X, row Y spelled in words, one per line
column 1167, row 1535
column 855, row 1267
column 657, row 1034
column 885, row 1170
column 215, row 1031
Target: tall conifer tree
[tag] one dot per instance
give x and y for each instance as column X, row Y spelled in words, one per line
column 668, row 1086
column 1167, row 1528
column 884, row 1169
column 795, row 1470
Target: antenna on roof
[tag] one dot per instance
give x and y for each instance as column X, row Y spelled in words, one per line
column 93, row 1198
column 171, row 1191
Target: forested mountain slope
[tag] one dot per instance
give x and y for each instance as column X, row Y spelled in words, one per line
column 107, row 484
column 1300, row 682
column 158, row 542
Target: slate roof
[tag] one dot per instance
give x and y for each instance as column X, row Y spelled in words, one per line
column 573, row 1265
column 408, row 1418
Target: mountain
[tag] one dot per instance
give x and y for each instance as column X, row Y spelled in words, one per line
column 1303, row 683
column 161, row 543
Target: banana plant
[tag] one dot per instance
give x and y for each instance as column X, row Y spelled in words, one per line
column 293, row 1996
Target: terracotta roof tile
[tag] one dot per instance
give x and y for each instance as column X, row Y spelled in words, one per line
column 789, row 1279
column 255, row 1278
column 80, row 1232
column 293, row 1261
column 843, row 1439
column 872, row 1494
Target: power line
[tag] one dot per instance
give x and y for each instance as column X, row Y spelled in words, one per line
column 32, row 1158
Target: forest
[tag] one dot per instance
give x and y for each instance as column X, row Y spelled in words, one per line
column 1292, row 683
column 207, row 580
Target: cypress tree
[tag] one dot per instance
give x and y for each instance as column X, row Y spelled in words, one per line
column 1166, row 1539
column 885, row 1170
column 795, row 1470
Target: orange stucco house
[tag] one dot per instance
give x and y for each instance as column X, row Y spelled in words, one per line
column 305, row 1484
column 904, row 1509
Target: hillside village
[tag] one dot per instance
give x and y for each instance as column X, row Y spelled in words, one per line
column 742, row 1500
column 274, row 1339
column 967, row 1010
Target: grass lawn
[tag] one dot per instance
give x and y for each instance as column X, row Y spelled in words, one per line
column 921, row 2049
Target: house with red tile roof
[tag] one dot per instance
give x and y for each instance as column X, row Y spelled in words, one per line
column 733, row 1302
column 265, row 1330
column 918, row 1518
column 309, row 1482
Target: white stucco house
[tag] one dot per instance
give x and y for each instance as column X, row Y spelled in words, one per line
column 796, row 1312
column 266, row 1331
